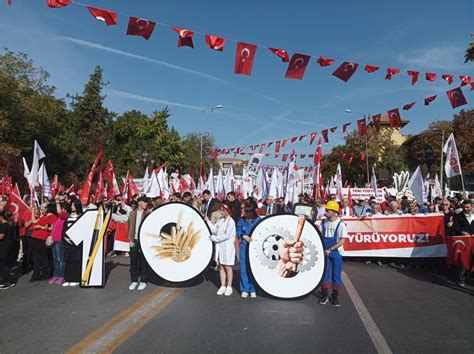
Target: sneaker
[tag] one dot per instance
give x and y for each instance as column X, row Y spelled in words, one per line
column 141, row 286
column 66, row 284
column 335, row 301
column 253, row 295
column 324, row 300
column 461, row 283
column 379, row 263
column 73, row 283
column 6, row 286
column 221, row 290
column 228, row 291
column 133, row 285
column 52, row 280
column 244, row 295
column 59, row 280
column 126, row 254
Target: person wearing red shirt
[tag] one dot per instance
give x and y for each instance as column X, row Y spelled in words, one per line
column 42, row 230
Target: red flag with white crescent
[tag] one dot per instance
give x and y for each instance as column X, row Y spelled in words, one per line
column 312, row 137
column 391, row 72
column 109, row 17
column 362, row 125
column 324, row 61
column 140, row 27
column 465, row 79
column 430, row 99
column 371, row 68
column 394, row 118
column 408, row 106
column 344, row 127
column 16, row 206
column 456, row 97
column 283, row 54
column 376, row 120
column 414, row 76
column 214, row 42
column 244, row 56
column 460, row 251
column 448, row 78
column 324, row 133
column 430, row 76
column 185, row 37
column 297, row 66
column 57, row 3
column 345, row 71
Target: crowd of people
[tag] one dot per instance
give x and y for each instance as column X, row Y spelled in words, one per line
column 37, row 242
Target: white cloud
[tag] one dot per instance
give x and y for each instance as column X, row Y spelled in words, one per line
column 445, row 58
column 132, row 96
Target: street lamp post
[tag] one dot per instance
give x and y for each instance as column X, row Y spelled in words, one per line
column 366, row 143
column 211, row 109
column 144, row 160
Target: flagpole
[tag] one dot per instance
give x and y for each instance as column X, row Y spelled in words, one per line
column 367, row 154
column 441, row 166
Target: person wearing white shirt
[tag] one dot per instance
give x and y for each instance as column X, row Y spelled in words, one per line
column 223, row 235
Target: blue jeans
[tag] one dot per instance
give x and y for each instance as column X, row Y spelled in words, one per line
column 58, row 259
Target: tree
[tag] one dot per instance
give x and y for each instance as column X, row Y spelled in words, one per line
column 192, row 147
column 88, row 126
column 469, row 56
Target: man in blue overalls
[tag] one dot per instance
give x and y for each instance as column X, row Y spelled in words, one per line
column 334, row 233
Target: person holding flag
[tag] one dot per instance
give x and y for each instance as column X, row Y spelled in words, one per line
column 334, row 233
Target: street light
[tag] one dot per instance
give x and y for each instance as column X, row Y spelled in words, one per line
column 144, row 159
column 211, row 109
column 366, row 142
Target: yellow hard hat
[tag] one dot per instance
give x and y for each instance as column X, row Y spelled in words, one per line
column 332, row 205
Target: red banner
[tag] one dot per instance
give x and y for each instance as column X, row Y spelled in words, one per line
column 400, row 236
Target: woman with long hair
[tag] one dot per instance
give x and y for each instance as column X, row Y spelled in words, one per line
column 72, row 253
column 244, row 227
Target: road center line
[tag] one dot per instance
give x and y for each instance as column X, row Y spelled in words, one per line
column 111, row 335
column 374, row 332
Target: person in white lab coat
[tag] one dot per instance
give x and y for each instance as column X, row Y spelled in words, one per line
column 223, row 235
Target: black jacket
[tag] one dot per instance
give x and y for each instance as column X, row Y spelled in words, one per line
column 461, row 225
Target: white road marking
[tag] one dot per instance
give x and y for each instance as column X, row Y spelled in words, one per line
column 374, row 332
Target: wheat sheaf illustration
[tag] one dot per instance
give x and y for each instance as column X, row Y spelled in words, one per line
column 177, row 245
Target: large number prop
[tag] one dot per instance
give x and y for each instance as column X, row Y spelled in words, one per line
column 286, row 256
column 90, row 230
column 175, row 242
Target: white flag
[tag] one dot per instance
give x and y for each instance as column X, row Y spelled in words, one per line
column 373, row 182
column 274, row 183
column 38, row 154
column 153, row 188
column 220, row 186
column 247, row 184
column 452, row 165
column 26, row 172
column 145, row 182
column 44, row 181
column 210, row 183
column 416, row 184
column 229, row 180
column 163, row 182
column 437, row 188
column 338, row 181
column 253, row 165
column 261, row 188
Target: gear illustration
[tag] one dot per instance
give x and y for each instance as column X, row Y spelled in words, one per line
column 269, row 253
column 310, row 256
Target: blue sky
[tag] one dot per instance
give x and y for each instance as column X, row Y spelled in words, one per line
column 147, row 75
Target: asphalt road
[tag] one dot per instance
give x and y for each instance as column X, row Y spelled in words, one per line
column 414, row 311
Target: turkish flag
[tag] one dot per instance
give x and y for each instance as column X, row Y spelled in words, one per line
column 140, row 27
column 391, row 72
column 262, row 147
column 362, row 155
column 394, row 118
column 333, row 129
column 460, row 251
column 302, row 156
column 324, row 133
column 456, row 97
column 376, row 120
column 302, row 137
column 16, row 206
column 408, row 106
column 344, row 127
column 371, row 68
column 312, row 137
column 109, row 17
column 472, row 86
column 284, row 142
column 414, row 76
column 297, row 66
column 284, row 157
column 465, row 79
column 109, row 172
column 244, row 56
column 10, row 2
column 277, row 146
column 214, row 42
column 430, row 99
column 323, row 61
column 58, row 3
column 293, row 139
column 448, row 78
column 345, row 71
column 362, row 125
column 270, row 143
column 185, row 37
column 99, row 189
column 351, row 158
column 430, row 76
column 283, row 54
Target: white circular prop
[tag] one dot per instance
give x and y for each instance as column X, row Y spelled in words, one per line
column 271, row 246
column 174, row 239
